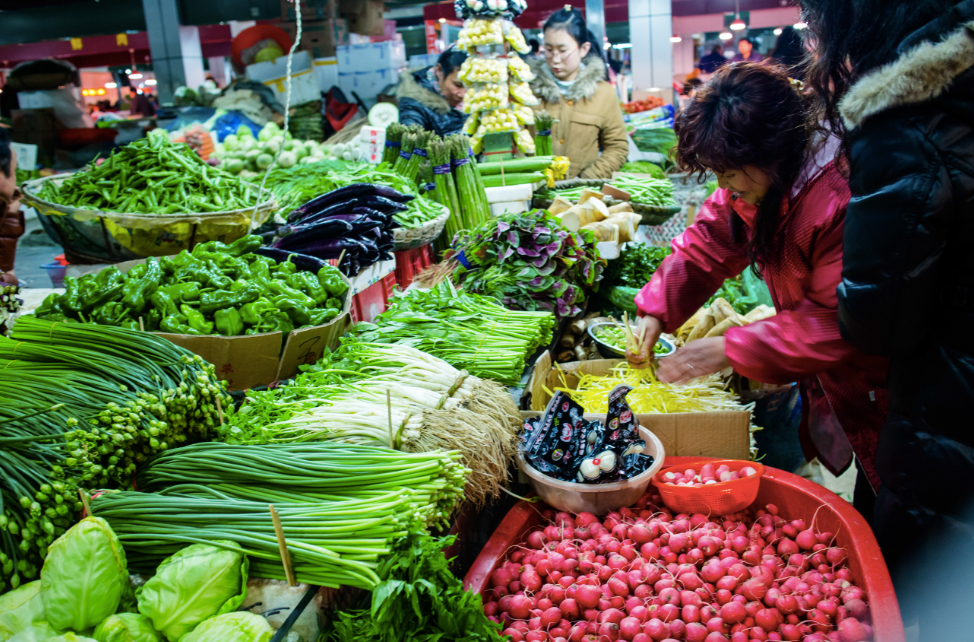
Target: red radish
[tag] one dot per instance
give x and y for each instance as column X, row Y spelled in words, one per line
column 641, row 637
column 618, row 587
column 535, row 540
column 856, row 608
column 521, row 606
column 656, row 629
column 514, row 634
column 690, row 613
column 588, row 596
column 629, row 628
column 717, row 625
column 678, row 628
column 714, row 636
column 530, row 581
column 696, row 632
column 767, row 619
column 611, row 615
column 790, row 632
column 733, row 612
column 669, row 612
column 609, row 631
column 536, row 636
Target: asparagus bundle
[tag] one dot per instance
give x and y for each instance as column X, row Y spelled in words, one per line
column 542, row 139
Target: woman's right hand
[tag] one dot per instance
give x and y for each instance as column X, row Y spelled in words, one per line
column 647, row 333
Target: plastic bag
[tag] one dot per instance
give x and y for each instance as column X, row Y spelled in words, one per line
column 127, row 627
column 230, row 122
column 232, row 627
column 196, row 583
column 19, row 609
column 83, row 576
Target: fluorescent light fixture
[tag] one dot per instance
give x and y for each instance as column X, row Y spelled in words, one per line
column 442, row 20
column 675, row 38
column 128, row 71
column 624, row 45
column 800, row 26
column 111, row 85
column 150, row 81
column 654, row 89
column 135, row 76
column 777, row 31
column 738, row 25
column 725, row 35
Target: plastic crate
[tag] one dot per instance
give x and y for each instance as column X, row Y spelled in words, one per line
column 796, row 498
column 409, row 263
column 371, row 302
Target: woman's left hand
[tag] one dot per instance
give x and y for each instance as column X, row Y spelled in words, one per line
column 696, row 359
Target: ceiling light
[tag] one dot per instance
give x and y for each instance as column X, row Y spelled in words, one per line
column 442, row 20
column 725, row 35
column 800, row 26
column 110, row 85
column 675, row 38
column 150, row 81
column 738, row 25
column 135, row 76
column 128, row 71
column 625, row 45
column 607, row 46
column 777, row 31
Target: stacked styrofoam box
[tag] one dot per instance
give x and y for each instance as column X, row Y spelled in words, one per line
column 423, row 60
column 368, row 68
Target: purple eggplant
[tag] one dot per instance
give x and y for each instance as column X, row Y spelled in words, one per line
column 351, row 193
column 381, row 204
column 303, row 216
column 303, row 262
column 301, row 234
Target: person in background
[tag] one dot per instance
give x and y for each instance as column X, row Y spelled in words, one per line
column 431, row 97
column 713, row 61
column 746, row 53
column 12, row 222
column 139, row 105
column 789, row 52
column 571, row 84
column 779, row 210
column 897, row 81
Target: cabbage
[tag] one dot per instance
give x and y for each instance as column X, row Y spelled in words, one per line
column 37, row 632
column 70, row 637
column 232, row 627
column 196, row 583
column 126, row 627
column 19, row 609
column 84, row 576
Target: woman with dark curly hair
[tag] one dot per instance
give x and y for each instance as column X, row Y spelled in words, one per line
column 779, row 210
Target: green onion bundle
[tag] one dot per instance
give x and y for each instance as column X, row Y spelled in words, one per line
column 152, row 176
column 81, row 406
column 542, row 140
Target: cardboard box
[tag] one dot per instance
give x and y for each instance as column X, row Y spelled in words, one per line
column 691, row 434
column 369, row 20
column 310, row 10
column 257, row 360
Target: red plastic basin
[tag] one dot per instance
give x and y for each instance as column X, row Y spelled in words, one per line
column 796, row 498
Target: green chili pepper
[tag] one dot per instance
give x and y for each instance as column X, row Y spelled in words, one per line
column 260, row 275
column 152, row 319
column 331, row 279
column 111, row 313
column 164, row 303
column 333, row 304
column 210, row 302
column 50, row 306
column 196, row 319
column 286, row 268
column 172, row 263
column 295, row 309
column 308, row 283
column 177, row 324
column 228, row 322
column 138, row 288
column 277, row 321
column 251, row 312
column 71, row 299
column 102, row 288
column 322, row 316
column 244, row 245
column 183, row 292
column 281, row 289
column 129, row 324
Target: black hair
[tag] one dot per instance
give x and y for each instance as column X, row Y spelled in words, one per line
column 535, row 45
column 747, row 40
column 748, row 114
column 690, row 85
column 789, row 52
column 6, row 154
column 853, row 38
column 570, row 20
column 450, row 60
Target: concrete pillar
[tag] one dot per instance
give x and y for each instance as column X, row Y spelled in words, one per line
column 595, row 19
column 177, row 57
column 650, row 28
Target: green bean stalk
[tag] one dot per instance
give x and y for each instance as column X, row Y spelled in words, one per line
column 152, row 176
column 81, row 406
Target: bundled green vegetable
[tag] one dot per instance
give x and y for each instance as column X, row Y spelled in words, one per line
column 518, row 165
column 446, row 190
column 466, row 330
column 81, row 406
column 523, row 178
column 418, row 598
column 394, row 134
column 153, row 176
column 215, row 289
column 470, row 187
column 529, row 261
column 542, row 140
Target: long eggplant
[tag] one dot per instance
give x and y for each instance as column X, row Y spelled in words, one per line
column 328, row 209
column 301, row 261
column 380, row 203
column 349, row 193
column 389, row 222
column 302, row 234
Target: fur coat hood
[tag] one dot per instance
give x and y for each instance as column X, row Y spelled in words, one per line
column 929, row 61
column 413, row 84
column 545, row 87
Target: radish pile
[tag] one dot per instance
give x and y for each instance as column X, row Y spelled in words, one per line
column 708, row 475
column 646, row 575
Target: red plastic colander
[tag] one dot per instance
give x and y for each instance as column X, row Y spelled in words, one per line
column 721, row 498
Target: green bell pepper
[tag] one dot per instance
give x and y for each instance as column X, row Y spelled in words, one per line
column 102, row 288
column 163, row 302
column 172, row 263
column 331, row 279
column 111, row 313
column 307, row 283
column 280, row 288
column 228, row 322
column 50, row 306
column 295, row 309
column 244, row 245
column 71, row 299
column 333, row 303
column 177, row 324
column 139, row 287
column 321, row 316
column 183, row 292
column 196, row 319
column 210, row 302
column 251, row 312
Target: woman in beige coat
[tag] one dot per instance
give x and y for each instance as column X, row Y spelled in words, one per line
column 571, row 85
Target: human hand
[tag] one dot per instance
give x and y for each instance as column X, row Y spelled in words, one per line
column 696, row 359
column 647, row 333
column 9, row 278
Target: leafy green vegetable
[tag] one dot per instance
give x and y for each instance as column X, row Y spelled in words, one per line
column 70, row 636
column 232, row 627
column 418, row 599
column 732, row 292
column 38, row 632
column 84, row 576
column 127, row 627
column 196, row 583
column 635, row 266
column 644, row 167
column 20, row 608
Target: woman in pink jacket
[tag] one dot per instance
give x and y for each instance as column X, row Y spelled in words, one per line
column 780, row 210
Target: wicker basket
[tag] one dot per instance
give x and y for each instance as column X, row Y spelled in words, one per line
column 651, row 214
column 411, row 238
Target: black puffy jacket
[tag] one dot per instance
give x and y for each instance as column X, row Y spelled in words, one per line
column 420, row 104
column 907, row 292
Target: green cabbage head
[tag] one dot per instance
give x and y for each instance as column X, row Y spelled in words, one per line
column 196, row 583
column 36, row 632
column 83, row 576
column 232, row 627
column 127, row 627
column 19, row 609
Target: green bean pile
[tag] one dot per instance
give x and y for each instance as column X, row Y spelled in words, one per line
column 152, row 176
column 646, row 191
column 341, row 506
column 80, row 407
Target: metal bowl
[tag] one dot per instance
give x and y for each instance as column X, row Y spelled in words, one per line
column 610, row 352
